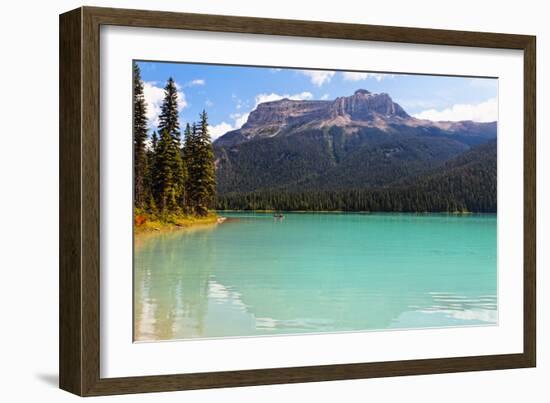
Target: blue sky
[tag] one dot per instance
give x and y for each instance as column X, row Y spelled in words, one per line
column 230, row 93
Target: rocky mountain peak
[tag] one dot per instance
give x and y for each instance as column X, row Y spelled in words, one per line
column 362, row 109
column 362, row 106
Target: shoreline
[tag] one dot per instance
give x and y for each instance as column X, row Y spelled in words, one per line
column 356, row 212
column 144, row 224
column 178, row 223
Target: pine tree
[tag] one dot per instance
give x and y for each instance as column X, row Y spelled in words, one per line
column 180, row 174
column 181, row 179
column 150, row 183
column 189, row 152
column 140, row 136
column 153, row 177
column 154, row 141
column 202, row 171
column 190, row 158
column 168, row 118
column 169, row 124
column 165, row 188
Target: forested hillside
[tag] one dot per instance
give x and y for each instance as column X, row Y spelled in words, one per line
column 358, row 153
column 464, row 183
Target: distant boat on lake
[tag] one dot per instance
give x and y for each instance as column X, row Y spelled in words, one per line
column 278, row 216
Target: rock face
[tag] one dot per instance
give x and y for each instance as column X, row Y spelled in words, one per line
column 362, row 106
column 286, row 111
column 362, row 109
column 359, row 141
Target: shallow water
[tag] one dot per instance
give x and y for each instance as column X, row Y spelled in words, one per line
column 310, row 273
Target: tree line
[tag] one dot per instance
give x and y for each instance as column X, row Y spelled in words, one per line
column 470, row 187
column 171, row 175
column 381, row 200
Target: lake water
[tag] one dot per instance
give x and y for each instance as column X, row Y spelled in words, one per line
column 309, row 273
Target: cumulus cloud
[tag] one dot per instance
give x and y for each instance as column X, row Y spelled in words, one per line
column 261, row 98
column 219, row 130
column 483, row 112
column 318, row 77
column 154, row 96
column 356, row 76
column 239, row 119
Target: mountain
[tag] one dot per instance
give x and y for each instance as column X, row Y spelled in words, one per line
column 363, row 141
column 361, row 110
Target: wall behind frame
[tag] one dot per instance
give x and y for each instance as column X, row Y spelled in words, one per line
column 29, row 202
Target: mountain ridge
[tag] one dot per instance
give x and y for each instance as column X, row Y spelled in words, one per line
column 362, row 109
column 364, row 141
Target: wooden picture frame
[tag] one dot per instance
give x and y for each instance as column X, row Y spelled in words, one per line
column 79, row 346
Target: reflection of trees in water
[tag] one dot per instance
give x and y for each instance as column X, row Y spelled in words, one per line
column 171, row 285
column 348, row 273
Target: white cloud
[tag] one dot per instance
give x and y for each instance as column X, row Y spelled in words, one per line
column 356, row 76
column 483, row 112
column 318, row 77
column 182, row 102
column 219, row 130
column 154, row 96
column 261, row 98
column 193, row 83
column 419, row 103
column 240, row 119
column 325, row 97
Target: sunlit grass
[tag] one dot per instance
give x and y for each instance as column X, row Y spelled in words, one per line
column 147, row 222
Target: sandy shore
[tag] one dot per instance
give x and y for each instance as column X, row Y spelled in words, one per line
column 156, row 226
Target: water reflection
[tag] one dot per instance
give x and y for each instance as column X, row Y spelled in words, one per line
column 315, row 273
column 171, row 293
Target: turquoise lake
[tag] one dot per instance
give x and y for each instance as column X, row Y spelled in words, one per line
column 310, row 273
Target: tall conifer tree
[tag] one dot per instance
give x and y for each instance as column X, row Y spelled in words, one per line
column 140, row 136
column 154, row 141
column 169, row 124
column 200, row 156
column 151, row 185
column 165, row 188
column 189, row 151
column 168, row 118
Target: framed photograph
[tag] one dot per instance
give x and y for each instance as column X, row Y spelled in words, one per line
column 249, row 201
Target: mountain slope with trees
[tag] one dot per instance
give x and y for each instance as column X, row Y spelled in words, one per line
column 466, row 183
column 362, row 152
